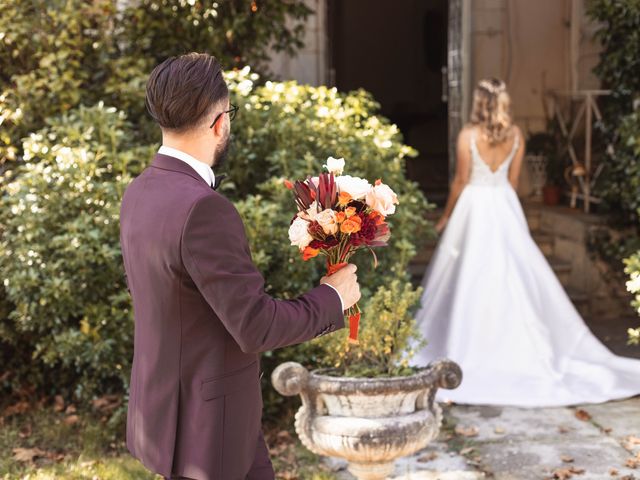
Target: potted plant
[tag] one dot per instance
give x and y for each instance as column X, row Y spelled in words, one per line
column 538, row 145
column 366, row 403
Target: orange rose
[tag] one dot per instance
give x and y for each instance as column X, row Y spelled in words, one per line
column 340, row 217
column 309, row 253
column 344, row 198
column 351, row 225
column 349, row 212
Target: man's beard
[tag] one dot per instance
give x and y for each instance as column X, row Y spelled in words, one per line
column 221, row 153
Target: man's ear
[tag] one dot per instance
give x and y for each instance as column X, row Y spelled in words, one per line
column 218, row 127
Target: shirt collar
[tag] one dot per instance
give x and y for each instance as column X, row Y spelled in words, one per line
column 201, row 168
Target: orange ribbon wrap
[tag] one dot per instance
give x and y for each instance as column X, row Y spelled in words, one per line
column 354, row 319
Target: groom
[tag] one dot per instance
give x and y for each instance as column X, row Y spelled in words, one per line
column 201, row 313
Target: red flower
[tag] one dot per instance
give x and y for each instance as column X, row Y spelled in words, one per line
column 367, row 233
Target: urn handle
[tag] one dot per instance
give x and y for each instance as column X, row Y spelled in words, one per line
column 447, row 372
column 290, row 379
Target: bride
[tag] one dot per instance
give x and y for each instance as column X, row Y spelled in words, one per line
column 491, row 301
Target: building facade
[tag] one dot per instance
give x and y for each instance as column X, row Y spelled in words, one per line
column 421, row 59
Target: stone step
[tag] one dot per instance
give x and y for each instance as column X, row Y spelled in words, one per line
column 561, row 269
column 545, row 242
column 533, row 216
column 581, row 301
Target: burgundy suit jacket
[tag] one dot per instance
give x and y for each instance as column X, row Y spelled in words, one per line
column 201, row 319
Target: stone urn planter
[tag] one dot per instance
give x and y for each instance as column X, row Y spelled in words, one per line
column 370, row 422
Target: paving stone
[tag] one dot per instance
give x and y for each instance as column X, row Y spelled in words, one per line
column 536, row 460
column 622, row 418
column 508, row 423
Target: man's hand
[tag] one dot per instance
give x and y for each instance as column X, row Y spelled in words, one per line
column 345, row 282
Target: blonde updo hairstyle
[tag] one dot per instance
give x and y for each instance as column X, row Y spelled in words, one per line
column 491, row 110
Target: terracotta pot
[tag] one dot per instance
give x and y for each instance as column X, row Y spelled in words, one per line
column 370, row 422
column 552, row 194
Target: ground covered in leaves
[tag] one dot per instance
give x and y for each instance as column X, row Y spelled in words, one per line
column 48, row 438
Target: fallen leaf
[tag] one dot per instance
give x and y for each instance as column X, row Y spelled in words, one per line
column 466, row 451
column 563, row 429
column 607, row 430
column 583, row 415
column 628, row 477
column 499, row 430
column 58, row 403
column 467, row 431
column 566, row 459
column 633, row 462
column 428, row 457
column 613, row 472
column 27, row 454
column 106, row 403
column 565, row 473
column 16, row 408
column 71, row 419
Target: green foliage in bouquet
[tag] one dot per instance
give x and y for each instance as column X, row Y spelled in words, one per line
column 388, row 337
column 61, row 261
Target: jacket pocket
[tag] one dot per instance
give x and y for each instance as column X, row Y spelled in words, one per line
column 230, row 382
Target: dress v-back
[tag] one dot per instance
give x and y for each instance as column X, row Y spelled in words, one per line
column 493, row 304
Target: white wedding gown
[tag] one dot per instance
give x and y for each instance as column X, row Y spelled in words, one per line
column 493, row 304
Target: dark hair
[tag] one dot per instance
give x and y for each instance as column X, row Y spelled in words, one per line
column 182, row 90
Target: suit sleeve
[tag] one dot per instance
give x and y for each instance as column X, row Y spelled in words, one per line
column 216, row 254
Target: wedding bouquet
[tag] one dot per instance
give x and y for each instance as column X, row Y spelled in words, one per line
column 337, row 216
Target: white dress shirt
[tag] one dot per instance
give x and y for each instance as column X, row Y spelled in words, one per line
column 202, row 168
column 207, row 174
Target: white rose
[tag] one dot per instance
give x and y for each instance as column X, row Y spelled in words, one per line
column 382, row 199
column 335, row 165
column 311, row 213
column 354, row 186
column 327, row 220
column 299, row 233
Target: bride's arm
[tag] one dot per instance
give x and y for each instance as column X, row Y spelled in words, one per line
column 463, row 169
column 516, row 164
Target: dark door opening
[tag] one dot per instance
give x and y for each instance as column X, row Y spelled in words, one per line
column 397, row 50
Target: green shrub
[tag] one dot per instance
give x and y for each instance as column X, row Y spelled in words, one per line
column 287, row 130
column 61, row 260
column 633, row 286
column 59, row 54
column 387, row 340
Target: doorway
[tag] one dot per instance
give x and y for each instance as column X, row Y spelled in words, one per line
column 398, row 52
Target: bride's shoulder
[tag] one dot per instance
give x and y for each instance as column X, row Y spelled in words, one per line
column 466, row 132
column 516, row 132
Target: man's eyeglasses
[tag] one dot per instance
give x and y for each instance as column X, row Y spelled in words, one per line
column 232, row 114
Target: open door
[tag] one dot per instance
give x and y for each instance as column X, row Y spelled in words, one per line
column 398, row 51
